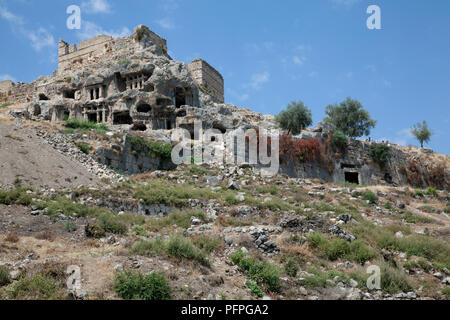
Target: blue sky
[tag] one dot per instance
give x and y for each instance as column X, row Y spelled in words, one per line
column 271, row 52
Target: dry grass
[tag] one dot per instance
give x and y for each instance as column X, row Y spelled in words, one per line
column 46, row 235
column 11, row 237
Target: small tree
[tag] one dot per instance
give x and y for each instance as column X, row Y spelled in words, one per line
column 380, row 153
column 421, row 132
column 339, row 140
column 295, row 118
column 350, row 118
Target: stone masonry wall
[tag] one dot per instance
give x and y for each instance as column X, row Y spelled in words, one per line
column 207, row 78
column 12, row 93
column 88, row 49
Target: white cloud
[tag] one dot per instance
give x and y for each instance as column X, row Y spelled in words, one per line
column 96, row 6
column 258, row 79
column 313, row 74
column 4, row 77
column 387, row 83
column 39, row 38
column 169, row 5
column 10, row 17
column 403, row 137
column 297, row 60
column 252, row 48
column 347, row 3
column 166, row 23
column 90, row 30
column 371, row 67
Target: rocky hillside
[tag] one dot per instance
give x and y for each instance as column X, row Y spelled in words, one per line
column 225, row 233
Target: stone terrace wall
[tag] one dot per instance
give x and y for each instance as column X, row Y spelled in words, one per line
column 85, row 50
column 20, row 93
column 207, row 78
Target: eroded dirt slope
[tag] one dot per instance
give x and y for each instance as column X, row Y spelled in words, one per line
column 25, row 156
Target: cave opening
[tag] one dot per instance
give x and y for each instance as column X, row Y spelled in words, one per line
column 122, row 118
column 352, row 177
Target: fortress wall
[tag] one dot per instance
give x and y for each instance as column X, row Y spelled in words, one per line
column 208, row 78
column 6, row 86
column 70, row 54
column 20, row 93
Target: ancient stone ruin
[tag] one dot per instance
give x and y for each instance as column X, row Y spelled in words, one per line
column 132, row 84
column 124, row 81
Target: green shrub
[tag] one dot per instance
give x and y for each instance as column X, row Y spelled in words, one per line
column 176, row 246
column 316, row 279
column 198, row 170
column 370, row 196
column 388, row 205
column 112, row 223
column 35, row 288
column 255, row 289
column 136, row 286
column 317, row 240
column 418, row 264
column 360, row 252
column 380, row 153
column 230, row 199
column 410, row 218
column 17, row 195
column 7, row 104
column 173, row 195
column 4, row 276
column 339, row 140
column 446, row 292
column 68, row 131
column 181, row 219
column 84, row 147
column 183, row 248
column 139, row 230
column 124, row 62
column 434, row 250
column 259, row 271
column 152, row 148
column 419, row 193
column 81, row 124
column 432, row 191
column 207, row 244
column 447, row 209
column 356, row 251
column 143, row 30
column 393, row 280
column 148, row 247
column 70, row 226
column 291, row 267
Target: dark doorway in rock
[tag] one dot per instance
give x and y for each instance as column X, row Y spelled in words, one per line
column 181, row 114
column 69, row 94
column 352, row 177
column 43, row 97
column 180, row 97
column 163, row 102
column 168, row 125
column 36, row 111
column 388, row 178
column 122, row 118
column 120, row 82
column 144, row 108
column 139, row 126
column 66, row 115
column 92, row 117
